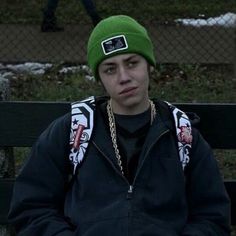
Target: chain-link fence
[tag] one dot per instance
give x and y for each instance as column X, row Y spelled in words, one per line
column 180, row 34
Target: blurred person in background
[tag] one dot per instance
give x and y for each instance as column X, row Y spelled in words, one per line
column 49, row 22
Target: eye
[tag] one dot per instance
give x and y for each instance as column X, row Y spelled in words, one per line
column 109, row 70
column 132, row 63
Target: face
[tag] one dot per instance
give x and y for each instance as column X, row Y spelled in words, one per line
column 126, row 80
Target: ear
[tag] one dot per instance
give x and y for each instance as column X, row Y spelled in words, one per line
column 151, row 68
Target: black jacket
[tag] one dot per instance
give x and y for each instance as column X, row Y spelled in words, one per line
column 163, row 199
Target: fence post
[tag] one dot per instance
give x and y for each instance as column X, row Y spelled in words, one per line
column 7, row 163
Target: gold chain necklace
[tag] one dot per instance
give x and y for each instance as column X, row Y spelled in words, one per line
column 112, row 126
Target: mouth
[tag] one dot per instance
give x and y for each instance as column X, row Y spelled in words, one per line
column 127, row 91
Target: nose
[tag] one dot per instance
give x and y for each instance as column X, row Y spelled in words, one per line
column 123, row 75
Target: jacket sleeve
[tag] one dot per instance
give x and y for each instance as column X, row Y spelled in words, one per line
column 209, row 205
column 39, row 191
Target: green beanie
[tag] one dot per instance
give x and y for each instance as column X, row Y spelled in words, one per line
column 118, row 35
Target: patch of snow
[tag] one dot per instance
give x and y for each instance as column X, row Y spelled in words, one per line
column 72, row 69
column 225, row 20
column 30, row 68
column 75, row 69
column 7, row 74
column 90, row 78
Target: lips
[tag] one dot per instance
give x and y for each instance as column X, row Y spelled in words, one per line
column 127, row 90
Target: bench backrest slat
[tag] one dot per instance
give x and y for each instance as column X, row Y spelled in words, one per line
column 28, row 119
column 22, row 122
column 217, row 123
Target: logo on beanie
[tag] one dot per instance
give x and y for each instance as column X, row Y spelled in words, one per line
column 114, row 44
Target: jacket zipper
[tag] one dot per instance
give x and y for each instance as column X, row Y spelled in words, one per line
column 131, row 186
column 150, row 147
column 130, row 192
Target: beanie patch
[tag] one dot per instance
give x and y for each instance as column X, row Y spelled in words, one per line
column 114, row 44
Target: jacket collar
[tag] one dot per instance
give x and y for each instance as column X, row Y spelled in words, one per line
column 102, row 139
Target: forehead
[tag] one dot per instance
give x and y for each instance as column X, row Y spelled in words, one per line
column 120, row 58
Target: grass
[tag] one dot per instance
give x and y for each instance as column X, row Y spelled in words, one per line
column 194, row 83
column 182, row 83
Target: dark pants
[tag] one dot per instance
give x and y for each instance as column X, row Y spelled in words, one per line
column 49, row 11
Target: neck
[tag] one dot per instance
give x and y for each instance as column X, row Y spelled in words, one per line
column 150, row 103
column 130, row 109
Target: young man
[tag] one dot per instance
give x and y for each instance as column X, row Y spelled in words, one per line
column 131, row 180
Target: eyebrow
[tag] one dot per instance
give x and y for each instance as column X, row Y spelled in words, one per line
column 125, row 60
column 130, row 58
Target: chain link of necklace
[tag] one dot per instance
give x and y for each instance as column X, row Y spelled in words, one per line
column 112, row 126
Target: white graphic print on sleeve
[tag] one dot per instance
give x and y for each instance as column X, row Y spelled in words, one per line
column 81, row 129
